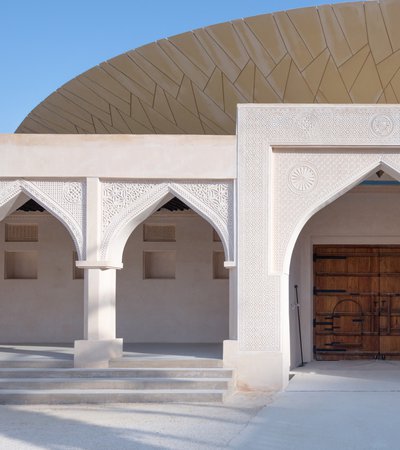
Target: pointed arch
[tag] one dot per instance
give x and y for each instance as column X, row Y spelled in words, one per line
column 12, row 189
column 333, row 195
column 123, row 224
column 220, row 221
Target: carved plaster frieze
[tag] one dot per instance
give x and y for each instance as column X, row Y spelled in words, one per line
column 119, row 196
column 214, row 201
column 337, row 172
column 122, row 202
column 320, row 124
column 8, row 190
column 63, row 199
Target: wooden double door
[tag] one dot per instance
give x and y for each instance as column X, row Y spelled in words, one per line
column 356, row 302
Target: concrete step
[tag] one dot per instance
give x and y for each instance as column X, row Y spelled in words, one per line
column 116, row 373
column 134, row 362
column 151, row 380
column 37, row 364
column 75, row 396
column 113, row 383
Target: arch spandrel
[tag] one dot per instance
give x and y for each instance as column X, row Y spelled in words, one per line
column 126, row 204
column 309, row 182
column 64, row 200
column 351, row 169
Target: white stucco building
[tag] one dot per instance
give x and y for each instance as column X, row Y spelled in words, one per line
column 279, row 133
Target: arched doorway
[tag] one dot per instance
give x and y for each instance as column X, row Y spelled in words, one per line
column 346, row 262
column 173, row 287
column 41, row 290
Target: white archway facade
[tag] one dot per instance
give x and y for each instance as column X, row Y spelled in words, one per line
column 113, row 210
column 101, row 199
column 257, row 189
column 100, row 215
column 292, row 161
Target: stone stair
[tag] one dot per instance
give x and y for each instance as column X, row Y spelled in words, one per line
column 127, row 380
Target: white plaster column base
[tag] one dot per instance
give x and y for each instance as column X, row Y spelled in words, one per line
column 96, row 354
column 255, row 371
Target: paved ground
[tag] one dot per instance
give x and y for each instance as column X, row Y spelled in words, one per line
column 331, row 406
column 327, row 406
column 120, row 427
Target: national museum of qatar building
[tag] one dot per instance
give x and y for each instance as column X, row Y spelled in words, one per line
column 234, row 185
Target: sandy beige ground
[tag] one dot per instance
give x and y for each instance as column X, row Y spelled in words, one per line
column 121, row 426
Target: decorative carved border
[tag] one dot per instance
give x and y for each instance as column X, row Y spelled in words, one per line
column 280, row 187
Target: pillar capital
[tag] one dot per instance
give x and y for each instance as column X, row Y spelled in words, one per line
column 103, row 265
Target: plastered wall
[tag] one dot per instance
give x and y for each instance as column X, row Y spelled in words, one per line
column 369, row 216
column 193, row 307
column 49, row 308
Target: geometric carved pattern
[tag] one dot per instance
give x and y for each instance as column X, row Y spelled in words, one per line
column 258, row 292
column 62, row 199
column 118, row 196
column 338, row 171
column 191, row 83
column 292, row 147
column 123, row 201
column 215, row 201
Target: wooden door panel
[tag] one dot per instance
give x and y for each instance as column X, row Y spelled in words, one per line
column 346, row 347
column 389, row 284
column 390, row 346
column 390, row 262
column 331, row 263
column 347, row 284
column 356, row 301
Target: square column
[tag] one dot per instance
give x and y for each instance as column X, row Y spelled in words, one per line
column 259, row 354
column 99, row 308
column 100, row 343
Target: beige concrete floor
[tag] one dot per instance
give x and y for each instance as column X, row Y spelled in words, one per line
column 124, row 426
column 344, row 405
column 27, row 352
column 327, row 406
column 179, row 350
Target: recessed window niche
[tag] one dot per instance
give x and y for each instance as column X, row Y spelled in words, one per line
column 77, row 272
column 216, row 237
column 159, row 233
column 20, row 265
column 219, row 271
column 21, row 232
column 159, row 265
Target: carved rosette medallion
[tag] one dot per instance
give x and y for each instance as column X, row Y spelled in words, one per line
column 302, row 178
column 307, row 123
column 382, row 125
column 72, row 192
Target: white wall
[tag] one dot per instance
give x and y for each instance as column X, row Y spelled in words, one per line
column 366, row 215
column 193, row 307
column 88, row 155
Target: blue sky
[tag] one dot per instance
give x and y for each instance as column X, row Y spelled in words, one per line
column 45, row 43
